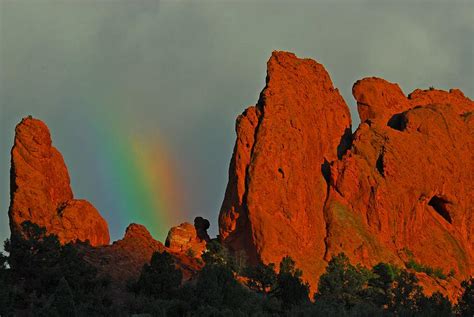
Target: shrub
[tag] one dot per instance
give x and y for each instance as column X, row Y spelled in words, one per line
column 290, row 288
column 343, row 286
column 261, row 278
column 465, row 305
column 418, row 267
column 160, row 279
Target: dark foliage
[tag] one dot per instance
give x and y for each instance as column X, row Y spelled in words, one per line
column 160, row 279
column 261, row 278
column 38, row 267
column 62, row 302
column 290, row 288
column 344, row 288
column 39, row 277
column 466, row 303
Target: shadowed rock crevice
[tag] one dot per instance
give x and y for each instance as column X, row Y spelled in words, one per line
column 439, row 205
column 398, row 122
column 326, row 171
column 345, row 143
column 281, row 172
column 379, row 164
column 466, row 115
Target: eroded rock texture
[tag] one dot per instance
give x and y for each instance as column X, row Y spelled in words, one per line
column 406, row 185
column 400, row 188
column 277, row 180
column 123, row 260
column 41, row 193
column 189, row 239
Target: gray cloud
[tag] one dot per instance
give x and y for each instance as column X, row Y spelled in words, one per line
column 186, row 70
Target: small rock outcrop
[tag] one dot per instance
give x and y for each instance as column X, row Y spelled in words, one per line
column 123, row 260
column 399, row 189
column 41, row 192
column 201, row 226
column 189, row 239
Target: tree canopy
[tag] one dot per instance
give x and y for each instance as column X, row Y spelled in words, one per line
column 41, row 277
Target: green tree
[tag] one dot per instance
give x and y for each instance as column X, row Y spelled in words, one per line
column 343, row 287
column 5, row 286
column 466, row 303
column 261, row 278
column 217, row 254
column 63, row 301
column 217, row 287
column 34, row 259
column 38, row 263
column 290, row 288
column 436, row 305
column 381, row 282
column 160, row 278
column 406, row 296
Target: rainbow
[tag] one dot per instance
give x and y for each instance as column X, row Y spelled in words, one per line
column 138, row 178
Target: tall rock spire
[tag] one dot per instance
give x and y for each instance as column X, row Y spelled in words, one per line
column 399, row 189
column 277, row 187
column 41, row 193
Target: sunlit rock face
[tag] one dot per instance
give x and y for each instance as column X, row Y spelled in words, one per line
column 400, row 187
column 123, row 260
column 41, row 193
column 189, row 239
column 278, row 176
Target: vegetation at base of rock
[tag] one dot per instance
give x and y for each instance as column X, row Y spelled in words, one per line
column 430, row 271
column 160, row 279
column 42, row 278
column 466, row 303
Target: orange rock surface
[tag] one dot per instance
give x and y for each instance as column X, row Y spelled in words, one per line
column 41, row 193
column 186, row 240
column 40, row 190
column 275, row 197
column 400, row 188
column 406, row 185
column 123, row 260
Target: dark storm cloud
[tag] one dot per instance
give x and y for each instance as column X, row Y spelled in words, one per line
column 187, row 69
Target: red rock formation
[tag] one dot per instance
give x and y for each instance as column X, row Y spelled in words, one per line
column 40, row 193
column 123, row 260
column 201, row 226
column 274, row 201
column 40, row 190
column 403, row 190
column 184, row 239
column 406, row 184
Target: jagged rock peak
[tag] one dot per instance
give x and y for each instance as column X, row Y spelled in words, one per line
column 277, row 186
column 398, row 189
column 41, row 191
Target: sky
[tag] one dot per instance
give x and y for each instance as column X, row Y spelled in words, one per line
column 141, row 96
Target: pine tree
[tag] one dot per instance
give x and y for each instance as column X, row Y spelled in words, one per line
column 466, row 303
column 63, row 301
column 160, row 278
